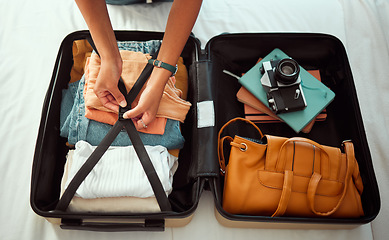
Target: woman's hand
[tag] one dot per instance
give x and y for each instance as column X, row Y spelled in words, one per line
column 96, row 16
column 145, row 107
column 106, row 87
column 180, row 22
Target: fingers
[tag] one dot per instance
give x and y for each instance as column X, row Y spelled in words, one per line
column 106, row 87
column 108, row 101
column 143, row 123
column 141, row 119
column 118, row 97
column 136, row 115
column 133, row 113
column 111, row 98
column 145, row 109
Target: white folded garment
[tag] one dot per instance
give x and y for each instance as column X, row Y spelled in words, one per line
column 119, row 172
column 111, row 204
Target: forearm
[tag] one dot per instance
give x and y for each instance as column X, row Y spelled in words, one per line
column 181, row 20
column 182, row 17
column 96, row 17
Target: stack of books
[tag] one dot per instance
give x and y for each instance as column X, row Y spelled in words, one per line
column 254, row 97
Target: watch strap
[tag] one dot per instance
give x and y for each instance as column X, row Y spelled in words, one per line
column 161, row 64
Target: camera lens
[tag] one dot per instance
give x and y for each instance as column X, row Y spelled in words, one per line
column 287, row 71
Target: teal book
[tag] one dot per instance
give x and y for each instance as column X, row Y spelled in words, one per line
column 317, row 95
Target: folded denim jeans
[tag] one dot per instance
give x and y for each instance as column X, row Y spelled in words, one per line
column 150, row 46
column 76, row 127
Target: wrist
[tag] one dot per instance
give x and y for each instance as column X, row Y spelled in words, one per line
column 159, row 64
column 159, row 78
column 111, row 58
column 112, row 61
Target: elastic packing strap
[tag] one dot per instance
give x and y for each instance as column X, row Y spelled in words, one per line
column 133, row 134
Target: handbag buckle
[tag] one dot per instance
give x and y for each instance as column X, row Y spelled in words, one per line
column 243, row 149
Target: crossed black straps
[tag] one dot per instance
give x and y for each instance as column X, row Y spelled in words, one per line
column 140, row 150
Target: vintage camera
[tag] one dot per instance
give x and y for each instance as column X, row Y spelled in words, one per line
column 281, row 81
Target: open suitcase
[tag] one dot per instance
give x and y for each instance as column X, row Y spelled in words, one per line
column 212, row 93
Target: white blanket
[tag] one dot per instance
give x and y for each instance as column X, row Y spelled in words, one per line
column 30, row 36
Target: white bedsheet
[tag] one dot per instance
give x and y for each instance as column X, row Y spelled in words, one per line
column 30, row 35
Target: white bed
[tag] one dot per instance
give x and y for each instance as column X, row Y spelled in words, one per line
column 30, row 36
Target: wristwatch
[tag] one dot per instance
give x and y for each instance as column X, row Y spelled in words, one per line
column 166, row 66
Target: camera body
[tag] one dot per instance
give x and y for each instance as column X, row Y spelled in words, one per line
column 282, row 83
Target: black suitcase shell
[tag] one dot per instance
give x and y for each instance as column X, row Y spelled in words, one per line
column 198, row 169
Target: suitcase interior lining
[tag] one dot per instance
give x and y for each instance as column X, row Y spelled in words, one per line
column 53, row 149
column 237, row 53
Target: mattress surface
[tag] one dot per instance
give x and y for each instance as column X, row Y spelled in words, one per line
column 31, row 33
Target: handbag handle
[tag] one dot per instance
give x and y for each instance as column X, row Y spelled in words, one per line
column 305, row 140
column 222, row 162
column 288, row 175
column 220, row 142
column 314, row 182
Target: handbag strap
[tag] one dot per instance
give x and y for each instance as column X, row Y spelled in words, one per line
column 315, row 179
column 222, row 161
column 285, row 194
column 314, row 182
column 220, row 142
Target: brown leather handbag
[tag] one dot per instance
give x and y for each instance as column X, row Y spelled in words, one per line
column 289, row 177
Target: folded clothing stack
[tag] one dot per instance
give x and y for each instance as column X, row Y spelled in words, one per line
column 118, row 177
column 118, row 181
